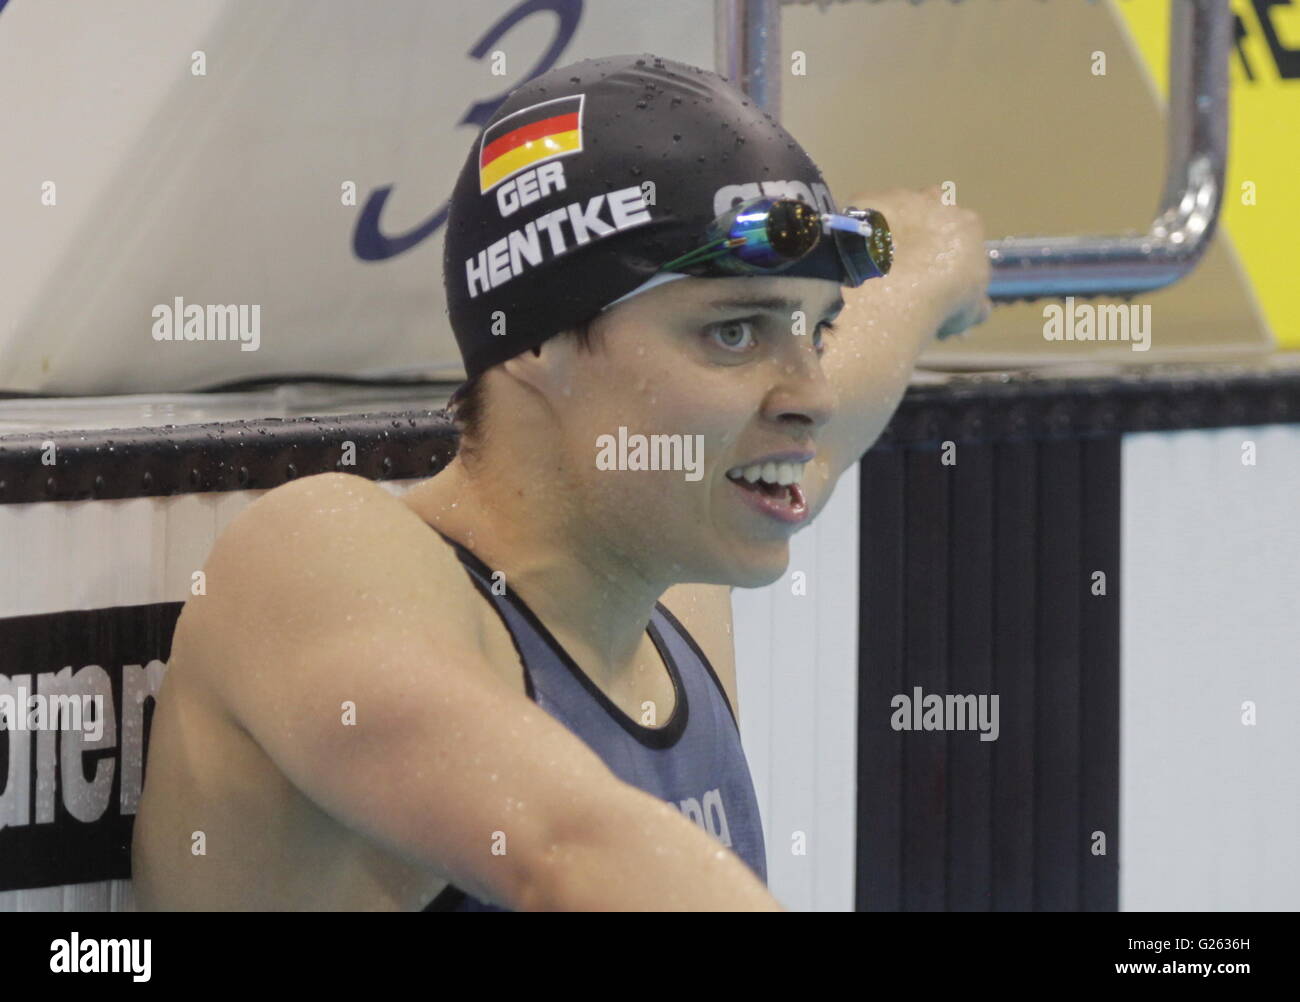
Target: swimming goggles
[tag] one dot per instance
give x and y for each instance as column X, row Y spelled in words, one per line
column 770, row 234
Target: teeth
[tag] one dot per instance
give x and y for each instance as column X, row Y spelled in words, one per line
column 772, row 473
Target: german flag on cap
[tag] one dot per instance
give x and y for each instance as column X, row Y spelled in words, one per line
column 524, row 138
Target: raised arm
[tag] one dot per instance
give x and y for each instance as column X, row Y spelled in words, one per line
column 938, row 285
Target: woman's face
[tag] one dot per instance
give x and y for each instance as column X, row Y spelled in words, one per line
column 732, row 367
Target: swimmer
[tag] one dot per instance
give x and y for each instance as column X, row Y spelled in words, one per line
column 513, row 687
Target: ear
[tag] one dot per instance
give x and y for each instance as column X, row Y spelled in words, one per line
column 545, row 368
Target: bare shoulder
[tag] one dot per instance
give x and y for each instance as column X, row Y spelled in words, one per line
column 316, row 553
column 339, row 522
column 705, row 611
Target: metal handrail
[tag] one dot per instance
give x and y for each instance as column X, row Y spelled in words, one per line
column 748, row 51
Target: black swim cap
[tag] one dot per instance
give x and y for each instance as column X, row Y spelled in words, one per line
column 588, row 179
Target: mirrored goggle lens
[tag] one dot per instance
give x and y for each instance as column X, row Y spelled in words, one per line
column 768, row 234
column 881, row 242
column 865, row 243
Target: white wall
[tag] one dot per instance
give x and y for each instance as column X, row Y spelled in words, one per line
column 1209, row 807
column 797, row 676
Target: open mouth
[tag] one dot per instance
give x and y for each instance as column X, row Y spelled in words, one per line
column 773, row 489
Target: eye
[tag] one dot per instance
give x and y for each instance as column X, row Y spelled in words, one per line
column 734, row 335
column 819, row 340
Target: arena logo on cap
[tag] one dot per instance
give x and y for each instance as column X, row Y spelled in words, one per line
column 816, row 194
column 526, row 138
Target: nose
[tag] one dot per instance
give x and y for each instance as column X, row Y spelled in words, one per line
column 802, row 396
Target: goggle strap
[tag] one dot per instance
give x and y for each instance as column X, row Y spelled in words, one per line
column 708, row 252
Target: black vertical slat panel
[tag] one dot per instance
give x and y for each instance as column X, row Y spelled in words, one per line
column 1015, row 591
column 1099, row 650
column 880, row 670
column 970, row 805
column 1057, row 740
column 994, row 569
column 925, row 661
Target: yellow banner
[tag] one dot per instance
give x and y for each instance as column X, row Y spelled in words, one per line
column 1261, row 210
